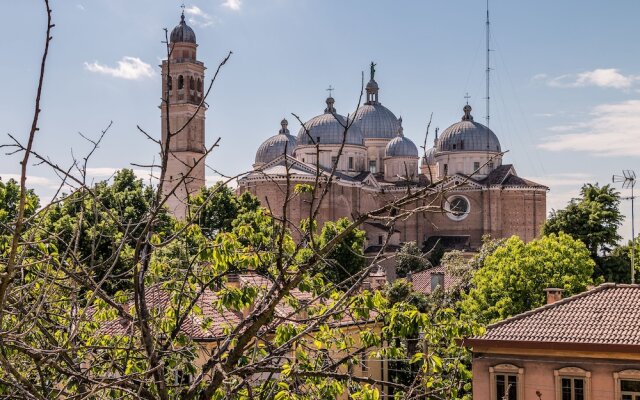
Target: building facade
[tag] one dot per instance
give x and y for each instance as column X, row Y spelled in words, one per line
column 369, row 162
column 585, row 347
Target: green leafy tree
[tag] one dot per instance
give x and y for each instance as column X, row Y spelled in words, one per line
column 96, row 227
column 347, row 257
column 9, row 199
column 594, row 219
column 410, row 259
column 216, row 208
column 514, row 277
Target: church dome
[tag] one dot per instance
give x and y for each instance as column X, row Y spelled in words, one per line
column 183, row 33
column 401, row 146
column 468, row 135
column 328, row 128
column 376, row 121
column 276, row 146
column 429, row 156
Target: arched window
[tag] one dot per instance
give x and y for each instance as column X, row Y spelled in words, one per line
column 180, row 82
column 169, row 83
column 199, row 85
column 192, row 83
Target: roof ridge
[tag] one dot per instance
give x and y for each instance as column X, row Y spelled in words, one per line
column 599, row 288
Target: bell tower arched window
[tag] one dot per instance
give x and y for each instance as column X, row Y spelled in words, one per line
column 192, row 83
column 169, row 83
column 199, row 87
column 180, row 82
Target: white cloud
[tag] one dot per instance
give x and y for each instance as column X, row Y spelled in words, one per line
column 198, row 17
column 234, row 5
column 611, row 130
column 601, row 77
column 32, row 181
column 80, row 7
column 128, row 68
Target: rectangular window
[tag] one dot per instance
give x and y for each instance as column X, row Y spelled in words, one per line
column 372, row 166
column 334, row 160
column 446, row 170
column 380, row 241
column 350, row 162
column 630, row 389
column 572, row 388
column 491, row 166
column 476, row 166
column 506, row 387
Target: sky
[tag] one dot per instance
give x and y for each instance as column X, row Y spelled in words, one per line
column 565, row 79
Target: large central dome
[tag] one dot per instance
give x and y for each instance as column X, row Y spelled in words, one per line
column 376, row 121
column 468, row 135
column 328, row 128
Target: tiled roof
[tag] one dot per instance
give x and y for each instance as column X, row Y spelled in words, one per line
column 158, row 298
column 422, row 280
column 606, row 315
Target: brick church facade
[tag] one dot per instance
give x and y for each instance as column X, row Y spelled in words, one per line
column 470, row 193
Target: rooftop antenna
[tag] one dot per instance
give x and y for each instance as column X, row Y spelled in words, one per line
column 488, row 67
column 628, row 179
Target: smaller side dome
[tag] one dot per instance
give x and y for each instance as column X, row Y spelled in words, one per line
column 429, row 156
column 401, row 146
column 275, row 146
column 182, row 33
column 328, row 128
column 468, row 135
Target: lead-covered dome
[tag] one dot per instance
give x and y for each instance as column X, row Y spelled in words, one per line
column 468, row 135
column 275, row 146
column 183, row 33
column 429, row 157
column 401, row 146
column 328, row 128
column 376, row 121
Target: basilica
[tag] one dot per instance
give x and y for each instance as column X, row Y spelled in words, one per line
column 375, row 163
column 364, row 162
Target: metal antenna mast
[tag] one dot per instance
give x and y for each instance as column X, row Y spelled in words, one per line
column 488, row 67
column 628, row 180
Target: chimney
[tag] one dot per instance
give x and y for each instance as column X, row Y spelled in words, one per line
column 553, row 295
column 437, row 279
column 233, row 280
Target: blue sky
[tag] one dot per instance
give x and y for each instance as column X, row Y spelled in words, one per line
column 565, row 84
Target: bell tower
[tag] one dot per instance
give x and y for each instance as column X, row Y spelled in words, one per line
column 182, row 82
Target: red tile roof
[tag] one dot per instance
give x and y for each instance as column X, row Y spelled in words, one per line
column 606, row 315
column 221, row 319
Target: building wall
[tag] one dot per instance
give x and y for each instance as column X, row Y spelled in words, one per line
column 500, row 212
column 539, row 372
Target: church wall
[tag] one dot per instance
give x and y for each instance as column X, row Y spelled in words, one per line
column 526, row 212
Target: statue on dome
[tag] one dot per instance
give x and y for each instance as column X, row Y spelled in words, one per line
column 373, row 69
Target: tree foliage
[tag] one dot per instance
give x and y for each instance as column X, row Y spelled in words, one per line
column 593, row 218
column 514, row 277
column 410, row 259
column 347, row 257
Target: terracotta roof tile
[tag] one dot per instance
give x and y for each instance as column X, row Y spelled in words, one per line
column 607, row 314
